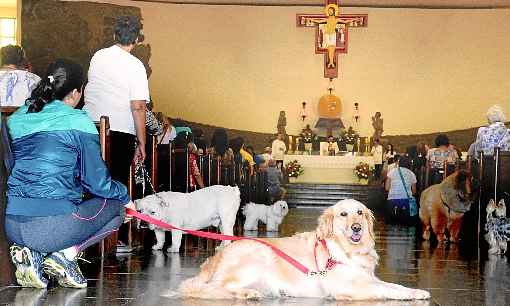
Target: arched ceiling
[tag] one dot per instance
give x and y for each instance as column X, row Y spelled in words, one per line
column 433, row 4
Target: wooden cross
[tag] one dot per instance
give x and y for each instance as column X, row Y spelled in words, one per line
column 331, row 33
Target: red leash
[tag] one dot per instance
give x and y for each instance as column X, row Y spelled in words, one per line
column 278, row 252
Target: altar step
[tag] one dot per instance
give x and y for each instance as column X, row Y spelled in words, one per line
column 314, row 195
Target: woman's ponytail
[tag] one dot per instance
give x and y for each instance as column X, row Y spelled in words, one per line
column 63, row 76
column 42, row 94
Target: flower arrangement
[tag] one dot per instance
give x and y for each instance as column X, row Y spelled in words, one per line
column 363, row 170
column 307, row 134
column 294, row 169
column 350, row 136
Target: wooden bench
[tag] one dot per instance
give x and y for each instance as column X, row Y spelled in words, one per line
column 108, row 245
column 136, row 236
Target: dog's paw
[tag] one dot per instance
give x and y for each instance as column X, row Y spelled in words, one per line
column 442, row 238
column 454, row 240
column 426, row 235
column 408, row 294
column 493, row 250
column 248, row 294
column 419, row 294
column 172, row 250
column 157, row 247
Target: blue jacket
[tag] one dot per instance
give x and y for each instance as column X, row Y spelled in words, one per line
column 57, row 158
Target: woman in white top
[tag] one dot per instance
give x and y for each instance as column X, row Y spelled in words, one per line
column 16, row 83
column 401, row 185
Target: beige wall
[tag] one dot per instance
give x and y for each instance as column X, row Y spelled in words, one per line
column 8, row 12
column 234, row 66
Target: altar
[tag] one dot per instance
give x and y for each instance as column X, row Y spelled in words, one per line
column 329, row 169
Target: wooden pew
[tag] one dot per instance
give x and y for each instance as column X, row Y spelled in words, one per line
column 6, row 267
column 137, row 236
column 494, row 183
column 107, row 246
column 180, row 170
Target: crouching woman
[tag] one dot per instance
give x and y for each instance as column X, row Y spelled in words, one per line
column 57, row 160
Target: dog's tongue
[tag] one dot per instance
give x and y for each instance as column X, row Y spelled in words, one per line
column 356, row 237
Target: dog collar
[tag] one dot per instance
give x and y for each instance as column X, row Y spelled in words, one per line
column 162, row 201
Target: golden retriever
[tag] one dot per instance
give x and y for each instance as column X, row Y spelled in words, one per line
column 250, row 270
column 443, row 205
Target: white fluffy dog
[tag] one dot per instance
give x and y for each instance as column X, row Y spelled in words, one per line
column 272, row 215
column 214, row 205
column 498, row 227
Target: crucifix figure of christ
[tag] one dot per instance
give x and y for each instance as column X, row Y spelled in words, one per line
column 331, row 33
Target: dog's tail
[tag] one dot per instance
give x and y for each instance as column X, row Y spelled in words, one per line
column 201, row 286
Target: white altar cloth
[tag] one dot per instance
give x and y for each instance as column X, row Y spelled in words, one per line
column 329, row 169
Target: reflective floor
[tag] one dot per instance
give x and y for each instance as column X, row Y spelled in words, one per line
column 453, row 274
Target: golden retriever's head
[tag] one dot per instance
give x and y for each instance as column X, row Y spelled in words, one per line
column 348, row 220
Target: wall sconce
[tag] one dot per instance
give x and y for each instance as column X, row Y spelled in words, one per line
column 303, row 114
column 356, row 112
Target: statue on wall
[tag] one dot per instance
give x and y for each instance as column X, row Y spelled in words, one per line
column 377, row 123
column 282, row 122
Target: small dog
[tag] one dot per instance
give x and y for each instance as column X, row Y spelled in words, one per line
column 497, row 227
column 272, row 215
column 215, row 205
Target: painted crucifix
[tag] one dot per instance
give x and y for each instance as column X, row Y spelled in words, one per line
column 331, row 33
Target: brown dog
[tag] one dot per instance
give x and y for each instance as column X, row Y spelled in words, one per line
column 442, row 206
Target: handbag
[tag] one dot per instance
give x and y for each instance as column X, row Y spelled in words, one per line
column 413, row 207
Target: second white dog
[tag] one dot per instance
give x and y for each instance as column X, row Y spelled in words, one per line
column 214, row 205
column 272, row 215
column 497, row 227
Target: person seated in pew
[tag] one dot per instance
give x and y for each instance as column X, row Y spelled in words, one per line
column 199, row 140
column 169, row 132
column 184, row 140
column 267, row 154
column 418, row 155
column 495, row 135
column 247, row 157
column 57, row 160
column 439, row 156
column 274, row 180
column 220, row 147
column 16, row 83
column 195, row 177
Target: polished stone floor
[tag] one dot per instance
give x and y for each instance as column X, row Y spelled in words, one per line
column 455, row 275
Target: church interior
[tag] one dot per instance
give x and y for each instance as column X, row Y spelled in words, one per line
column 335, row 97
